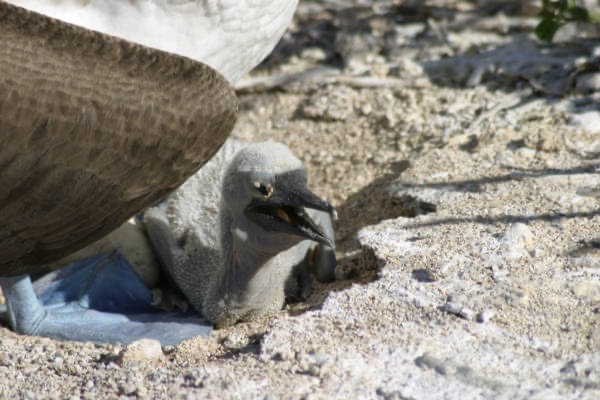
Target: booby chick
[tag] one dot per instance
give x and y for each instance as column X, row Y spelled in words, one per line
column 231, row 235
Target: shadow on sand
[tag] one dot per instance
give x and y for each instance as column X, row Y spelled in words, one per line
column 373, row 203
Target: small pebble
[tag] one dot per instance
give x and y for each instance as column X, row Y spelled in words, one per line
column 458, row 310
column 141, row 351
column 588, row 83
column 517, row 239
column 466, row 313
column 485, row 316
column 587, row 289
column 313, row 54
column 235, row 340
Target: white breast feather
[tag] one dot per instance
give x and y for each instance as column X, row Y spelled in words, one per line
column 232, row 36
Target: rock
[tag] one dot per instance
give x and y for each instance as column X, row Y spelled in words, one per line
column 517, row 239
column 58, row 362
column 588, row 83
column 588, row 290
column 313, row 54
column 143, row 351
column 459, row 310
column 235, row 340
column 589, row 120
column 485, row 316
column 445, row 268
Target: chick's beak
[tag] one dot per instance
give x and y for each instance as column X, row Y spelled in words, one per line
column 285, row 210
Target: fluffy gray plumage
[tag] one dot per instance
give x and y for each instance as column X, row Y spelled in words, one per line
column 229, row 267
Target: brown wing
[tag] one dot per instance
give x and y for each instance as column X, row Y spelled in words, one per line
column 93, row 129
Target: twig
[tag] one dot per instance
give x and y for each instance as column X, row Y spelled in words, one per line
column 277, row 82
column 323, row 75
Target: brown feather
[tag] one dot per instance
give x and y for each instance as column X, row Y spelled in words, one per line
column 93, row 129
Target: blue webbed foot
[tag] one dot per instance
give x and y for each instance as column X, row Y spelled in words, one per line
column 99, row 299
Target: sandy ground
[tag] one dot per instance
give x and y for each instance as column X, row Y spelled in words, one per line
column 464, row 160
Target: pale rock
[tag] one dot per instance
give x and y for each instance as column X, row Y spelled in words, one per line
column 516, row 241
column 141, row 351
column 588, row 290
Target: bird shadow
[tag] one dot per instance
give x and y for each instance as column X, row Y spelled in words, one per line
column 367, row 206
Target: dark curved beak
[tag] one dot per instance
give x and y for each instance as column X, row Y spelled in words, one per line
column 285, row 209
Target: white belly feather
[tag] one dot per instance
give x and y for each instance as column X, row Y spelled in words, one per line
column 232, row 36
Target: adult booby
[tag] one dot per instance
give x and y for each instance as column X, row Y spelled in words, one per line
column 93, row 130
column 93, row 115
column 231, row 235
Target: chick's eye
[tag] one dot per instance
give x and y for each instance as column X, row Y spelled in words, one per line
column 265, row 190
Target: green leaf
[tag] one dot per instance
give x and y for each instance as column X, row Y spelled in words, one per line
column 562, row 5
column 594, row 17
column 546, row 29
column 578, row 14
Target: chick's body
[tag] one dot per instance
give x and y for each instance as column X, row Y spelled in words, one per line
column 225, row 266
